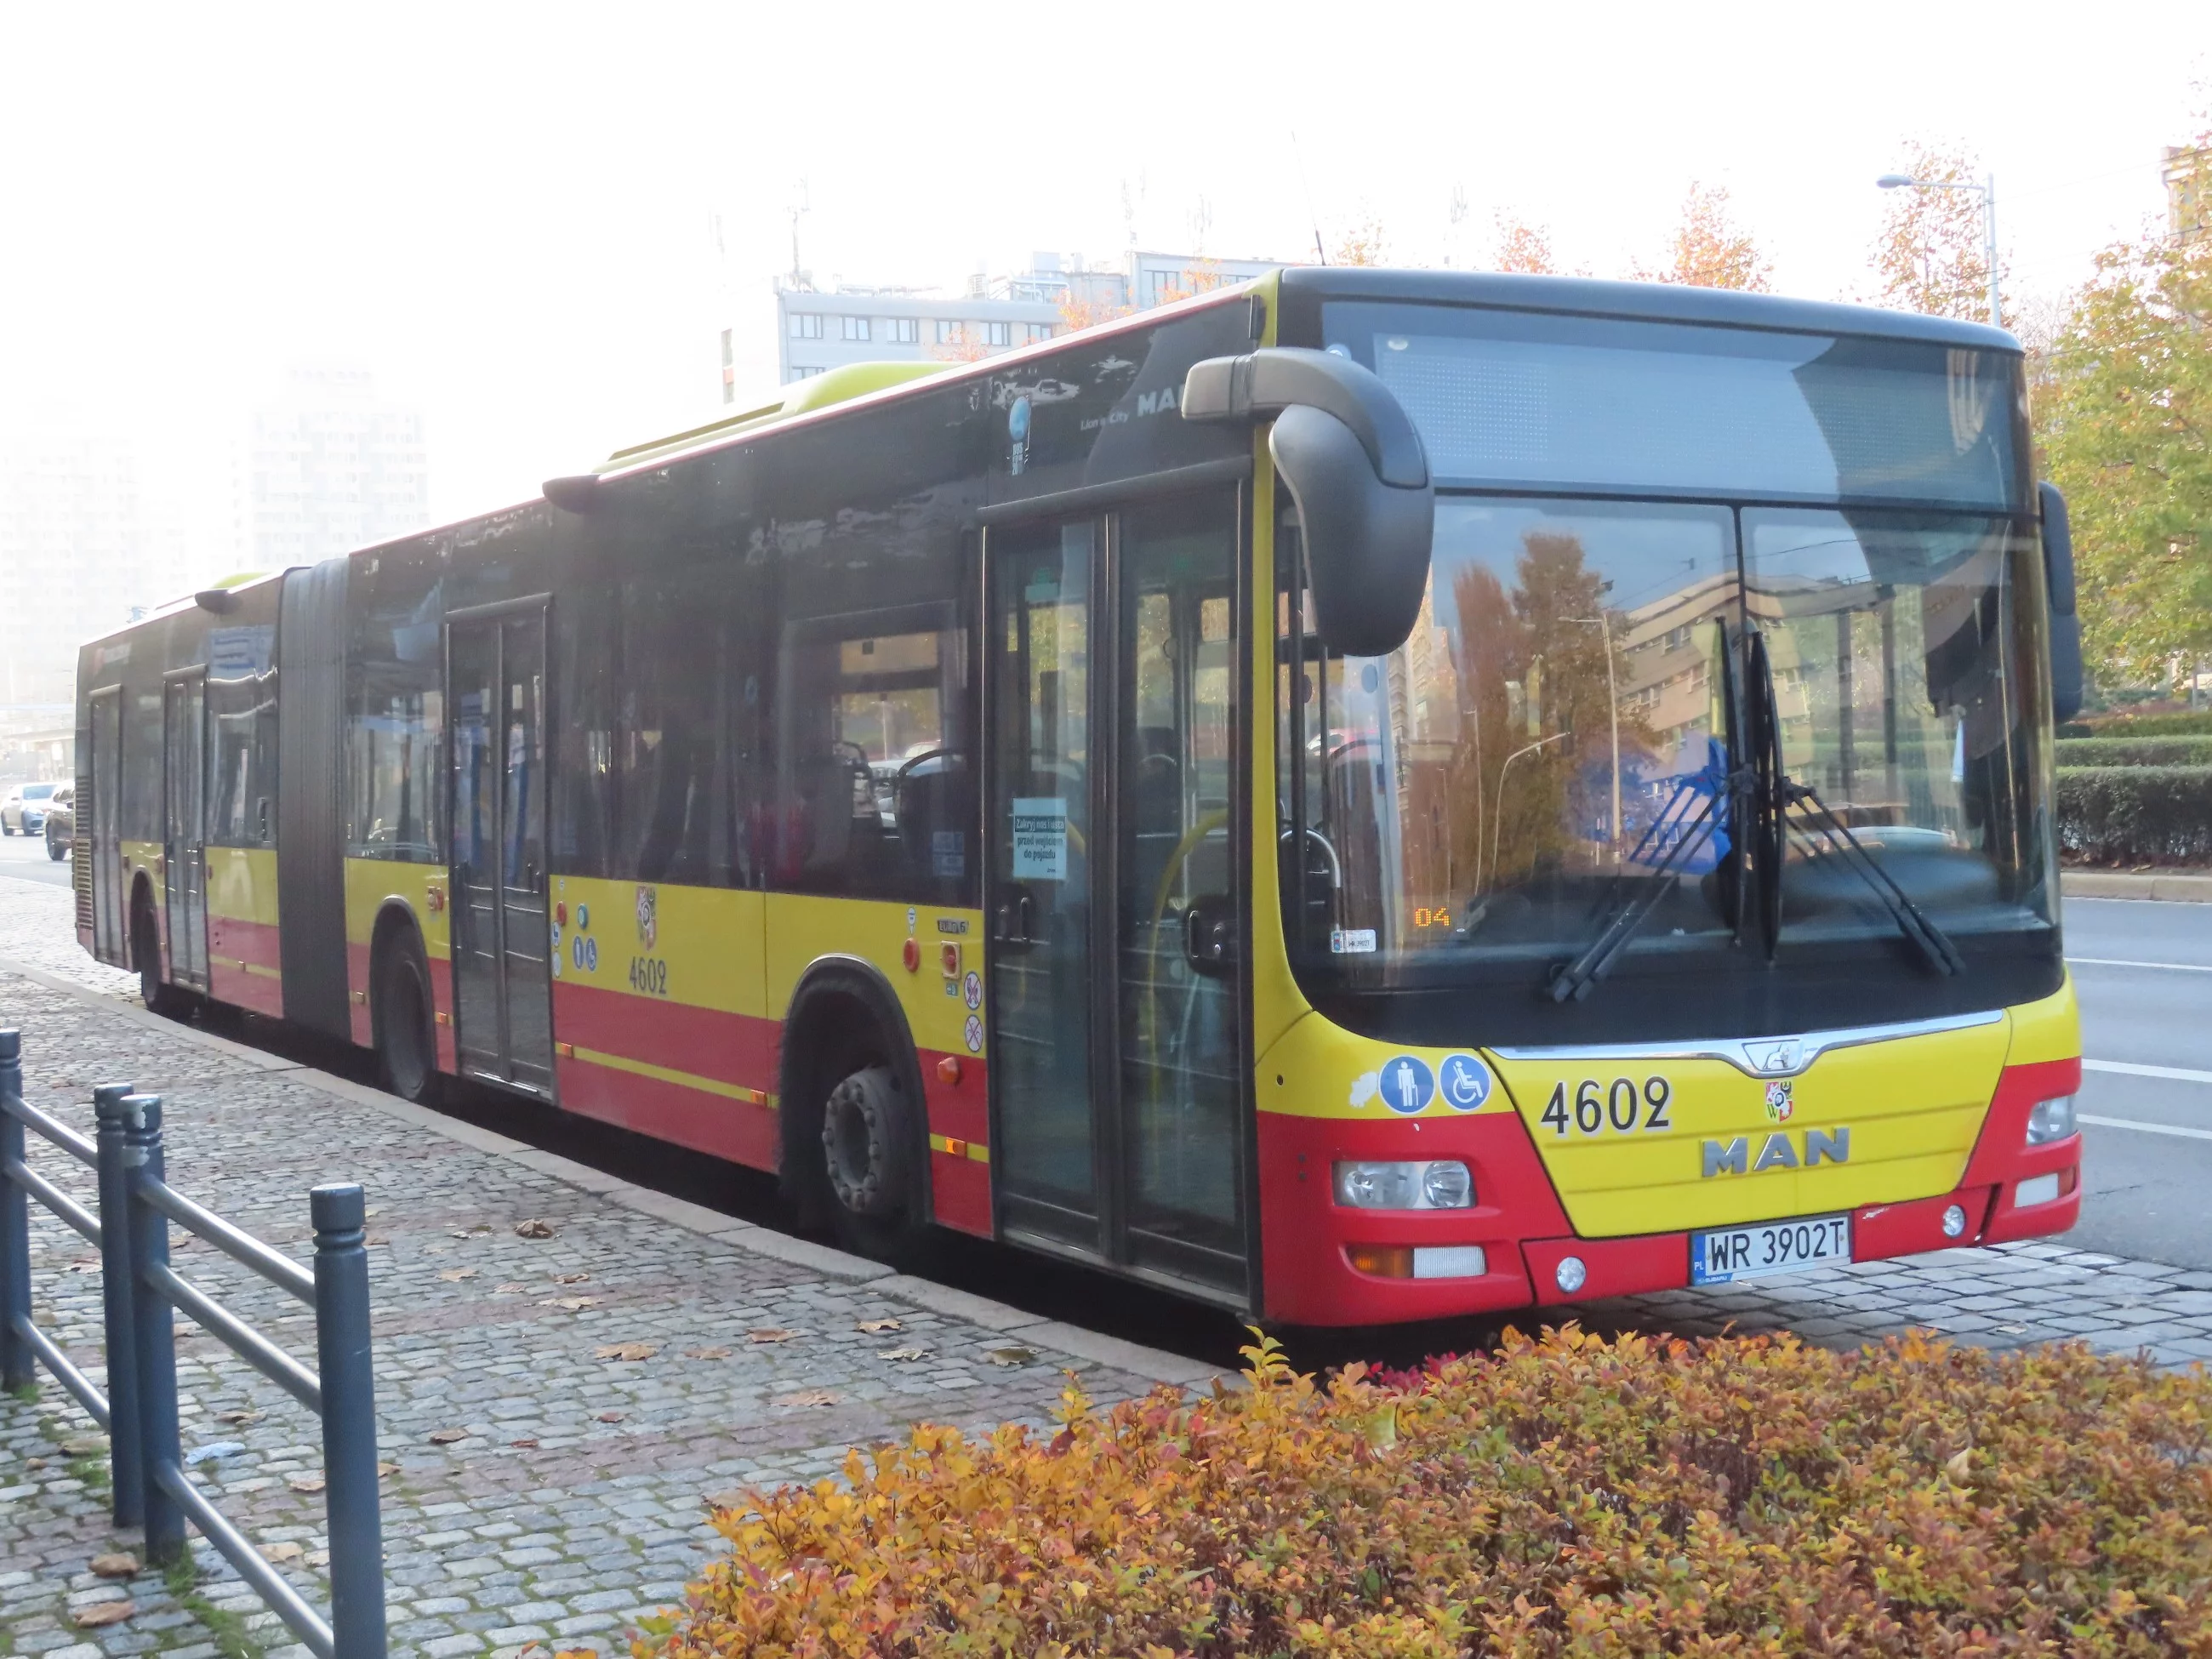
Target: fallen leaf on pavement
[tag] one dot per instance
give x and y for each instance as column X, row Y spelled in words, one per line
column 305, row 1482
column 1010, row 1356
column 319, row 1558
column 447, row 1437
column 522, row 1443
column 871, row 1326
column 510, row 1290
column 281, row 1553
column 85, row 1445
column 770, row 1334
column 476, row 1231
column 455, row 1275
column 103, row 1612
column 903, row 1354
column 626, row 1351
column 533, row 1228
column 121, row 1565
column 706, row 1353
column 570, row 1304
column 811, row 1397
column 84, row 1267
column 386, row 1471
column 238, row 1416
column 376, row 1238
column 570, row 1278
column 611, row 1417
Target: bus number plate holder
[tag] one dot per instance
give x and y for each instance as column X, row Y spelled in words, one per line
column 1722, row 1255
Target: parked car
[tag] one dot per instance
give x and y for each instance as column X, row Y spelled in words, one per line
column 25, row 808
column 61, row 823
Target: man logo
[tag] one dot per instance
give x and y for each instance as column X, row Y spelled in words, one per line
column 1776, row 1152
column 1780, row 1057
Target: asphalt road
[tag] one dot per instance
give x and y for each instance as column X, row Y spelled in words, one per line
column 25, row 857
column 2143, row 972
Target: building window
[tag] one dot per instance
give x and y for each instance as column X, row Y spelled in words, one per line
column 950, row 333
column 998, row 334
column 800, row 372
column 1033, row 332
column 806, row 325
column 856, row 328
column 902, row 330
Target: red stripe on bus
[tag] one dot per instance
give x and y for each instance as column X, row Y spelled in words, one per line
column 709, row 1042
column 713, row 1124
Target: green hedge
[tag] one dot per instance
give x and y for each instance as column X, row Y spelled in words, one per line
column 2136, row 814
column 2135, row 751
column 2140, row 726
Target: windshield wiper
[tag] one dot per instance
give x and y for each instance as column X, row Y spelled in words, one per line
column 1783, row 792
column 1722, row 785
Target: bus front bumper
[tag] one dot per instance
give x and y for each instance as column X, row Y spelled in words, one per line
column 1328, row 1264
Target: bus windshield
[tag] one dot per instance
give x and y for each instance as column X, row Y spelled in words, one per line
column 1473, row 807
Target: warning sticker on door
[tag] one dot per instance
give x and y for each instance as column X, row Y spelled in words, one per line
column 973, row 1033
column 1040, row 830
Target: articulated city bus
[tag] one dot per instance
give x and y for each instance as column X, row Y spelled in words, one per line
column 1360, row 797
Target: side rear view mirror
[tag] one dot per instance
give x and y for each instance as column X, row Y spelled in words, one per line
column 1354, row 466
column 2065, row 623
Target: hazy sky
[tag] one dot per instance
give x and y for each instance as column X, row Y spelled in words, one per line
column 507, row 212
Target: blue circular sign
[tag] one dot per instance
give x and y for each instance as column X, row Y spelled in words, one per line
column 1407, row 1084
column 1464, row 1081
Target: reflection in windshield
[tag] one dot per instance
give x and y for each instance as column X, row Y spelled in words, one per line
column 1553, row 728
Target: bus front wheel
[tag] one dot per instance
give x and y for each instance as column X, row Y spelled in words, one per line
column 867, row 1138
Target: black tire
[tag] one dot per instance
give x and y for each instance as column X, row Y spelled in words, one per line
column 867, row 1163
column 406, row 1033
column 57, row 849
column 4, row 829
column 170, row 1001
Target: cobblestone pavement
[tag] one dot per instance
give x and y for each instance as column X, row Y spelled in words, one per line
column 542, row 1488
column 543, row 1491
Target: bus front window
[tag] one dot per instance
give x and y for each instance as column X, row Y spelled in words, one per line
column 1474, row 805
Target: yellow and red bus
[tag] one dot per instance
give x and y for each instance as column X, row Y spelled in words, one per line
column 1360, row 797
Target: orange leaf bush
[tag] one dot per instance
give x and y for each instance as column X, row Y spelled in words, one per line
column 1562, row 1495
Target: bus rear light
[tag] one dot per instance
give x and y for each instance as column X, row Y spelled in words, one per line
column 1441, row 1184
column 2051, row 1119
column 911, row 955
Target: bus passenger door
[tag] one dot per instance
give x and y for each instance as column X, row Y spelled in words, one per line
column 1119, row 1125
column 99, row 825
column 1040, row 901
column 501, row 944
column 184, row 823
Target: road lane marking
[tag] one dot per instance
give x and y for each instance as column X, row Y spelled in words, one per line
column 2118, row 962
column 2127, row 1068
column 2147, row 1128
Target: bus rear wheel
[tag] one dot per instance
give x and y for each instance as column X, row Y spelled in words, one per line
column 406, row 1045
column 867, row 1157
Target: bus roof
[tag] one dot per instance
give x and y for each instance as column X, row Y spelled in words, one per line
column 1646, row 301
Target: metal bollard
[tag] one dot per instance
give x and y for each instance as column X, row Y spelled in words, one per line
column 349, row 1379
column 155, row 1333
column 16, row 1364
column 126, row 1468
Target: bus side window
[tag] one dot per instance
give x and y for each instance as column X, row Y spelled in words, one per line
column 672, row 743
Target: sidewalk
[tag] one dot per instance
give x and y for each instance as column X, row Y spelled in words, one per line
column 543, row 1488
column 2173, row 886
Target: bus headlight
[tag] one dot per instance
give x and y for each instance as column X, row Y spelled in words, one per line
column 2050, row 1121
column 1444, row 1184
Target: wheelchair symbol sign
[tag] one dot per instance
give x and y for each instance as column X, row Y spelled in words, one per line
column 1464, row 1080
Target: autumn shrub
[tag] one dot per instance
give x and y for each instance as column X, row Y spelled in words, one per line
column 2136, row 814
column 1562, row 1495
column 2132, row 752
column 2179, row 723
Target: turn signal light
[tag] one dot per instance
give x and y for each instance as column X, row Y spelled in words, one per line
column 948, row 1069
column 912, row 955
column 1384, row 1261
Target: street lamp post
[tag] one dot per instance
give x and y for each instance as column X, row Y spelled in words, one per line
column 1987, row 189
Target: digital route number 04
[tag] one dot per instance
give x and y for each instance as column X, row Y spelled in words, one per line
column 1598, row 1106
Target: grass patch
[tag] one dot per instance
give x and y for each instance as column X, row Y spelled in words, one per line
column 227, row 1630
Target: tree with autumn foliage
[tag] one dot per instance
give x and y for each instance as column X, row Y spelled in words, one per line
column 1708, row 249
column 2123, row 426
column 1523, row 248
column 1931, row 255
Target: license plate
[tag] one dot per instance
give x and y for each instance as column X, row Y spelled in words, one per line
column 1725, row 1254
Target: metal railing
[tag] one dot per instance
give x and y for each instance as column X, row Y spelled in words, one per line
column 142, row 1294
